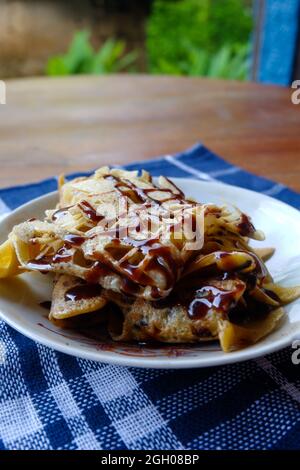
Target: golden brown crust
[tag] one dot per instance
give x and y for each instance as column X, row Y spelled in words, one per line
column 62, row 308
column 219, row 289
column 233, row 337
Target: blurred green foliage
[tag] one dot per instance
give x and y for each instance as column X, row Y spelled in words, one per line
column 199, row 37
column 82, row 58
column 183, row 37
column 230, row 61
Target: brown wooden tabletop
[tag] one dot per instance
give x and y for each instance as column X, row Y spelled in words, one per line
column 51, row 126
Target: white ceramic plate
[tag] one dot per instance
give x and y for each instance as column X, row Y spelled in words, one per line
column 20, row 297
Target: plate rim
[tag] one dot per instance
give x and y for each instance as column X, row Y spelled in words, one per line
column 166, row 362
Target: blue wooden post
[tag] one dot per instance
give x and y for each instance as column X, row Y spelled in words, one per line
column 276, row 50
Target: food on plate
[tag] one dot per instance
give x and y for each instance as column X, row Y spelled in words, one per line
column 149, row 263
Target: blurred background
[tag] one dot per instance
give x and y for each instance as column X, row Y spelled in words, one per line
column 233, row 39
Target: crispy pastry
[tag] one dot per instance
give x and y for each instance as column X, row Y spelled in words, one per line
column 123, row 257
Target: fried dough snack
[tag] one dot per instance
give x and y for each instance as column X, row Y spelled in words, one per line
column 121, row 256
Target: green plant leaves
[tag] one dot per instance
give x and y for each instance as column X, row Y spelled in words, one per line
column 207, row 38
column 56, row 66
column 183, row 37
column 230, row 62
column 81, row 58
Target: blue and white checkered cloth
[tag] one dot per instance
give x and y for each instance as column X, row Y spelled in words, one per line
column 49, row 400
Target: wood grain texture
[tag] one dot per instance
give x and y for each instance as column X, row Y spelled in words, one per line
column 51, row 126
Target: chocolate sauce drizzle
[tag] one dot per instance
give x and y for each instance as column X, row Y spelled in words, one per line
column 74, row 240
column 60, row 213
column 83, row 292
column 143, row 195
column 245, row 226
column 208, row 297
column 63, row 255
column 199, row 297
column 161, row 260
column 90, row 212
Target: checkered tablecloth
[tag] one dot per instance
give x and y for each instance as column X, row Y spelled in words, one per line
column 49, row 400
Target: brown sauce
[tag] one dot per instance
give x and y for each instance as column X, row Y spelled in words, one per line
column 73, row 239
column 259, row 273
column 261, row 270
column 83, row 292
column 97, row 271
column 272, row 294
column 161, row 262
column 42, row 264
column 129, row 287
column 198, row 300
column 63, row 255
column 60, row 213
column 208, row 297
column 199, row 297
column 90, row 212
column 179, row 192
column 155, row 292
column 245, row 226
column 142, row 195
column 229, row 264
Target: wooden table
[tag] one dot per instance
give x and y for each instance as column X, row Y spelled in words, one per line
column 50, row 126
